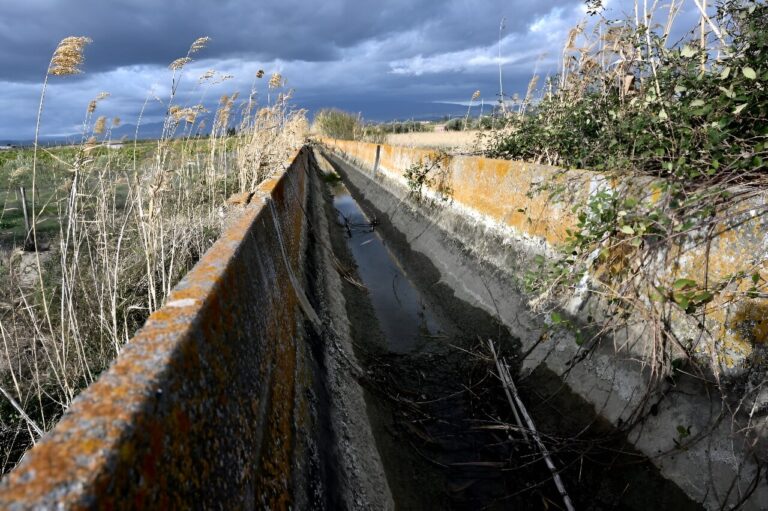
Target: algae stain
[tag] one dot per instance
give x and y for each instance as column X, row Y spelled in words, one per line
column 750, row 322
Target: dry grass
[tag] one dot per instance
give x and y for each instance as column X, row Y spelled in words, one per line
column 454, row 142
column 130, row 225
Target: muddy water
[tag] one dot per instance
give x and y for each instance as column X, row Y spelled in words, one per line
column 417, row 402
column 403, row 316
column 439, row 416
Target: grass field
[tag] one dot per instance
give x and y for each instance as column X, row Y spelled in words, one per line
column 457, row 142
column 53, row 169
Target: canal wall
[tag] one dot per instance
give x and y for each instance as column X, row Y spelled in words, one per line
column 223, row 400
column 485, row 223
column 242, row 391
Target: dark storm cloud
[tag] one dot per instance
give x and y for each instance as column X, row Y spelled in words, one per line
column 158, row 31
column 385, row 59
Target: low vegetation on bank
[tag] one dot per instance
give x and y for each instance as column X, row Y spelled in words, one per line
column 679, row 127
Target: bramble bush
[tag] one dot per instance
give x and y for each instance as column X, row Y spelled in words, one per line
column 678, row 111
column 679, row 129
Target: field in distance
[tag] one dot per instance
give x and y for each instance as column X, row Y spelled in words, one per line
column 469, row 141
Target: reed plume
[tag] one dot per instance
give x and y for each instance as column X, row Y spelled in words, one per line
column 475, row 95
column 179, row 63
column 101, row 123
column 95, row 101
column 199, row 44
column 68, row 56
column 275, row 81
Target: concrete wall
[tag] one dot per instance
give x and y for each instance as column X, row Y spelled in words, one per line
column 507, row 196
column 204, row 406
column 210, row 404
column 499, row 215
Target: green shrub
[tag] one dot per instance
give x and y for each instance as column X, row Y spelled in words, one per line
column 335, row 123
column 680, row 129
column 454, row 125
column 676, row 111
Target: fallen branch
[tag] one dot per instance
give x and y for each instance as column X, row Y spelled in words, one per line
column 23, row 414
column 508, row 384
column 511, row 391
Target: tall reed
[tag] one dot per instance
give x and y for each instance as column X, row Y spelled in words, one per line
column 131, row 222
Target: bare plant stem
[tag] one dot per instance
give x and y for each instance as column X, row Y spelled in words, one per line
column 509, row 388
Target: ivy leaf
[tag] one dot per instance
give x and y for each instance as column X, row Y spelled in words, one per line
column 728, row 93
column 630, row 202
column 681, row 284
column 749, row 72
column 703, row 297
column 725, row 73
column 738, row 109
column 688, row 51
column 697, row 102
column 627, row 230
column 682, row 300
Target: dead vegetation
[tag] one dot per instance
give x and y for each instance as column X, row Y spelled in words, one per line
column 129, row 225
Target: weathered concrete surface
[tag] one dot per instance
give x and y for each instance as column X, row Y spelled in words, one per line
column 219, row 401
column 482, row 251
column 357, row 462
column 508, row 198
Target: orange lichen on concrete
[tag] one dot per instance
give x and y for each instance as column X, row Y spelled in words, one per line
column 750, row 322
column 179, row 420
column 504, row 191
column 539, row 201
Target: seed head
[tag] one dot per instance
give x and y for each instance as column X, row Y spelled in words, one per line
column 572, row 35
column 179, row 63
column 199, row 44
column 101, row 123
column 275, row 81
column 17, row 174
column 531, row 87
column 68, row 56
column 221, row 120
column 260, row 73
column 189, row 114
column 95, row 101
column 475, row 95
column 116, row 122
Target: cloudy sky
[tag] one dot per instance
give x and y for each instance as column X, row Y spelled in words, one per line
column 386, row 59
